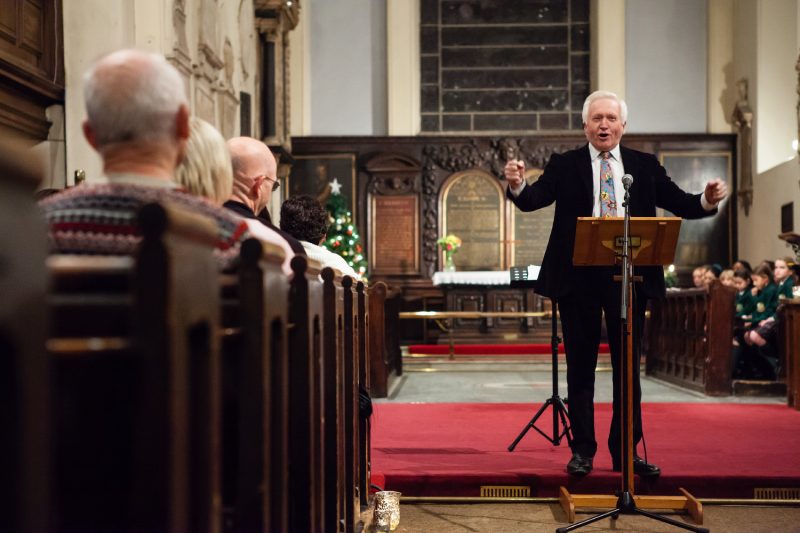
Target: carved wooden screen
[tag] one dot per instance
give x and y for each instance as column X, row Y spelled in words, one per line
column 472, row 207
column 31, row 64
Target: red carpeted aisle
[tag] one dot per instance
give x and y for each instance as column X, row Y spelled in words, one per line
column 713, row 450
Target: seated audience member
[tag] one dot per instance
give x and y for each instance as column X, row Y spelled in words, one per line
column 755, row 365
column 138, row 121
column 711, row 275
column 304, row 218
column 726, row 278
column 207, row 171
column 698, row 276
column 784, row 277
column 745, row 301
column 255, row 177
column 765, row 335
column 741, row 264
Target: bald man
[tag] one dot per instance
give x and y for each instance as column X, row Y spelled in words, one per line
column 255, row 176
column 138, row 121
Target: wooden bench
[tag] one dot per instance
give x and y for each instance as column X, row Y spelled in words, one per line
column 136, row 351
column 688, row 339
column 25, row 461
column 789, row 347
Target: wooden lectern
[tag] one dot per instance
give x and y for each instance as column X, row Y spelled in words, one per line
column 599, row 242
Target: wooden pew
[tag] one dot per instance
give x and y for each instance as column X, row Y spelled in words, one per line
column 689, row 339
column 333, row 364
column 136, row 349
column 349, row 407
column 385, row 361
column 306, row 424
column 789, row 346
column 363, row 387
column 25, row 430
column 257, row 422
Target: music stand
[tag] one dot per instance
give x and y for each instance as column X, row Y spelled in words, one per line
column 521, row 277
column 612, row 241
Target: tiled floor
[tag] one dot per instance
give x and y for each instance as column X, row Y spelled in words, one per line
column 523, row 382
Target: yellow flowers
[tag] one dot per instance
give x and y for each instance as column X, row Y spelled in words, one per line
column 449, row 243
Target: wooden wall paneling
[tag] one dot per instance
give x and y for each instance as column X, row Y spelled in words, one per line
column 31, row 64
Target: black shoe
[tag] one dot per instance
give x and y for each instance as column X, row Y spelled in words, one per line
column 640, row 467
column 579, row 465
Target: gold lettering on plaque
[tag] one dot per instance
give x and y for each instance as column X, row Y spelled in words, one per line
column 531, row 230
column 472, row 209
column 393, row 239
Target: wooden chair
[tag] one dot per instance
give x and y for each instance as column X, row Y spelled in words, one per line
column 25, row 428
column 136, row 349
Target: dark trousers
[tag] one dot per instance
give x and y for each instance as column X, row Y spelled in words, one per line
column 581, row 312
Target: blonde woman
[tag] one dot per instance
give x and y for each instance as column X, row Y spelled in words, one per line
column 207, row 171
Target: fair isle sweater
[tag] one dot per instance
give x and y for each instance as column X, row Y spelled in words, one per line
column 100, row 219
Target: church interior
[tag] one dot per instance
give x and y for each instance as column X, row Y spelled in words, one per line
column 179, row 383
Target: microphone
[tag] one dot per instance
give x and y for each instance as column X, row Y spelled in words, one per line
column 627, row 181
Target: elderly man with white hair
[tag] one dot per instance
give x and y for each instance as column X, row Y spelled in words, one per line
column 138, row 121
column 588, row 182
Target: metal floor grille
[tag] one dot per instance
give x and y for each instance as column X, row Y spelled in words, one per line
column 777, row 494
column 505, row 491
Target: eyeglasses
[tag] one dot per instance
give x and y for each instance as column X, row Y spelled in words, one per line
column 276, row 184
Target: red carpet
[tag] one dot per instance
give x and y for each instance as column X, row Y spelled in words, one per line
column 490, row 349
column 713, row 450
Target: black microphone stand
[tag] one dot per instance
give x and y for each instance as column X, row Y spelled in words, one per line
column 625, row 501
column 558, row 404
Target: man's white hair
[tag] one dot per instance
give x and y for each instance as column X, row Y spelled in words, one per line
column 132, row 95
column 602, row 95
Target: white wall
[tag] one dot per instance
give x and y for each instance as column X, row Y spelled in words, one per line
column 348, row 67
column 776, row 124
column 665, row 62
column 765, row 53
column 93, row 28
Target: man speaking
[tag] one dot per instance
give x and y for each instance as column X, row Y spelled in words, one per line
column 588, row 182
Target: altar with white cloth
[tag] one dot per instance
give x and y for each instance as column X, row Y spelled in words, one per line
column 491, row 291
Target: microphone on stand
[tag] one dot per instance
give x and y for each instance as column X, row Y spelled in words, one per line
column 627, row 180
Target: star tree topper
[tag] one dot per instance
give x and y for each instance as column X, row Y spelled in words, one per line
column 336, row 187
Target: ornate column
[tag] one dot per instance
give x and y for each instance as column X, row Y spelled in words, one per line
column 274, row 20
column 743, row 119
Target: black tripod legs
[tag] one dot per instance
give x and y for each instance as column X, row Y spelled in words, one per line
column 559, row 413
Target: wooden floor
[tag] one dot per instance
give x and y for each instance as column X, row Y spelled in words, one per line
column 541, row 517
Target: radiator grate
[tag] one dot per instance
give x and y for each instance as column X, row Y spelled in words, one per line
column 777, row 494
column 505, row 491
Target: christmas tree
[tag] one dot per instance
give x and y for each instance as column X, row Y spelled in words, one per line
column 343, row 238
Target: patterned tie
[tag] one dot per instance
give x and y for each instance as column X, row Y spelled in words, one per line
column 608, row 202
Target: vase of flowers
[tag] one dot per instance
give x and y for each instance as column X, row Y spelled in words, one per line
column 449, row 245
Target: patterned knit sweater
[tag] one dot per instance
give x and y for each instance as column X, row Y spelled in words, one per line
column 100, row 219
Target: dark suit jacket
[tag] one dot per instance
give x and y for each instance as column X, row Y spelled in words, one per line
column 568, row 181
column 246, row 212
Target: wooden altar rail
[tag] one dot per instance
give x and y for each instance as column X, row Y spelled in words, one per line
column 789, row 345
column 449, row 316
column 185, row 395
column 689, row 339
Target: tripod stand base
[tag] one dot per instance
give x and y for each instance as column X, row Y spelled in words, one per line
column 687, row 502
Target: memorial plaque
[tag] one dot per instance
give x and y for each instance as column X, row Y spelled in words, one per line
column 531, row 230
column 472, row 208
column 394, row 230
